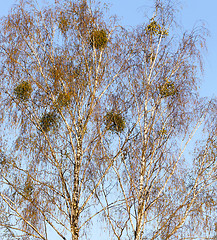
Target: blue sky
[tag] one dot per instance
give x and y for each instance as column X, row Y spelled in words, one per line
column 194, row 10
column 191, row 13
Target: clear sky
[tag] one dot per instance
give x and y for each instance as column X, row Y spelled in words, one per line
column 132, row 13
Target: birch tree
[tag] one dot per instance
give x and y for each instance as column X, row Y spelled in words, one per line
column 57, row 65
column 97, row 122
column 166, row 192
